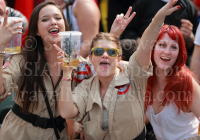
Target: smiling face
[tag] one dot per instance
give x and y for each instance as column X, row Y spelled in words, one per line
column 105, row 65
column 166, row 52
column 50, row 23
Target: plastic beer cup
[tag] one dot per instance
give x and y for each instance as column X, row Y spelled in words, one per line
column 14, row 46
column 70, row 44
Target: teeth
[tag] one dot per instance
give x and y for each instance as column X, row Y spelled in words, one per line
column 165, row 58
column 53, row 30
column 104, row 63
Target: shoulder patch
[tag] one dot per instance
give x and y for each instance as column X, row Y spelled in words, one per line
column 82, row 72
column 123, row 89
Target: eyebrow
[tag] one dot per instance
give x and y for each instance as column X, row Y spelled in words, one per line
column 175, row 45
column 48, row 15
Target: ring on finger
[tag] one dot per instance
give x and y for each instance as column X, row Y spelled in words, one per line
column 125, row 18
column 60, row 57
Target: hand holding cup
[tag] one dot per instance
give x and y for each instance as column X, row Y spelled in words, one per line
column 60, row 56
column 8, row 31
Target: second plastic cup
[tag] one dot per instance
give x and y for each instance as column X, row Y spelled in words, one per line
column 15, row 44
column 70, row 44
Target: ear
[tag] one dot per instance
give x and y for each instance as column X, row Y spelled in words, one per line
column 90, row 57
column 119, row 59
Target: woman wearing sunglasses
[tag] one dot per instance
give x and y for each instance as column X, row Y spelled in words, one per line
column 110, row 105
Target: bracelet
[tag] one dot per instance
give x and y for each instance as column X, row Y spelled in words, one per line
column 2, row 54
column 158, row 26
column 152, row 30
column 68, row 79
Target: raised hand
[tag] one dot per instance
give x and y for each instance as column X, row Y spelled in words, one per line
column 121, row 22
column 169, row 8
column 60, row 56
column 8, row 31
column 186, row 29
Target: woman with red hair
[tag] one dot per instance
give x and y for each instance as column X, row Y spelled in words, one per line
column 103, row 93
column 172, row 97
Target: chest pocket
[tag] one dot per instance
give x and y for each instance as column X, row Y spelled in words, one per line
column 91, row 122
column 128, row 116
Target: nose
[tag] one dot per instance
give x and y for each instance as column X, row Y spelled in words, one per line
column 167, row 50
column 53, row 21
column 105, row 54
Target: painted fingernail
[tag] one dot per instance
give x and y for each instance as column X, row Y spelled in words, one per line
column 179, row 7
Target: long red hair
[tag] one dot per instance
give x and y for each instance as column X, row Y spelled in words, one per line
column 179, row 88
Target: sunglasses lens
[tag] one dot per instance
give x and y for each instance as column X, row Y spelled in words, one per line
column 112, row 52
column 98, row 51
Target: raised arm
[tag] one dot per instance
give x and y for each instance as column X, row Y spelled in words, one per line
column 88, row 17
column 66, row 106
column 195, row 62
column 6, row 34
column 143, row 54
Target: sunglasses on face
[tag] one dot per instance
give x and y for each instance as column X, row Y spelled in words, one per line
column 112, row 52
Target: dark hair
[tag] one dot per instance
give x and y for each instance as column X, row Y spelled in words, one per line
column 129, row 46
column 109, row 37
column 35, row 61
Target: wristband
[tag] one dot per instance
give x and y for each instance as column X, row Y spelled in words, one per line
column 68, row 79
column 158, row 26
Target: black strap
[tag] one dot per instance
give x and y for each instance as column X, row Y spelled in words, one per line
column 141, row 136
column 38, row 121
column 50, row 112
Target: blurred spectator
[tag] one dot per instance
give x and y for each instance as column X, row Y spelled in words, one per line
column 195, row 63
column 15, row 13
column 6, row 105
column 109, row 9
column 129, row 46
column 146, row 9
column 36, row 2
column 12, row 13
column 197, row 2
column 83, row 16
